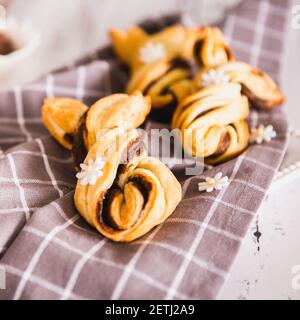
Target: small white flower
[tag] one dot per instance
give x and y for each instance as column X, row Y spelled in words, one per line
column 152, row 52
column 216, row 183
column 213, row 76
column 2, row 155
column 90, row 172
column 262, row 134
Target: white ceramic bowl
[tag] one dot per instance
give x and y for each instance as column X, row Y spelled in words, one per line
column 26, row 41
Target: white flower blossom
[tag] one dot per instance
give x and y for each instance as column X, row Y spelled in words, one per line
column 262, row 134
column 217, row 183
column 91, row 171
column 213, row 76
column 152, row 52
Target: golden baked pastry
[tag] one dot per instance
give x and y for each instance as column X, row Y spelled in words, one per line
column 76, row 126
column 133, row 193
column 117, row 110
column 166, row 83
column 136, row 48
column 211, row 49
column 212, row 122
column 120, row 191
column 261, row 90
column 61, row 117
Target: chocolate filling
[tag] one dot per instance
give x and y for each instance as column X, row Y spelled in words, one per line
column 197, row 51
column 222, row 146
column 103, row 210
column 164, row 114
column 69, row 138
column 134, row 148
column 254, row 100
column 79, row 151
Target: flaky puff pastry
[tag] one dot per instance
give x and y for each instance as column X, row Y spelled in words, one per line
column 211, row 48
column 165, row 82
column 61, row 117
column 176, row 41
column 260, row 89
column 134, row 194
column 212, row 122
column 76, row 126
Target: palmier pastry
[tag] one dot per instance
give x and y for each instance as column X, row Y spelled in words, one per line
column 212, row 122
column 120, row 191
column 76, row 127
column 256, row 85
column 131, row 194
column 61, row 117
column 166, row 83
column 211, row 49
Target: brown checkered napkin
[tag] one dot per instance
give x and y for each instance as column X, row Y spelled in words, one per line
column 50, row 252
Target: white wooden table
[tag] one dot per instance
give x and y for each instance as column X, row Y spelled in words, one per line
column 256, row 274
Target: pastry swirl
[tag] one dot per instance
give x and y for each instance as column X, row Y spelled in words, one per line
column 120, row 191
column 175, row 41
column 76, row 126
column 166, row 83
column 132, row 196
column 61, row 117
column 260, row 89
column 212, row 122
column 211, row 49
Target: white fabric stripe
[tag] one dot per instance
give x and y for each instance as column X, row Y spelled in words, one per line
column 21, row 190
column 79, row 266
column 264, row 53
column 107, row 84
column 248, row 24
column 36, row 181
column 268, row 148
column 260, row 163
column 20, row 113
column 201, row 263
column 27, row 274
column 138, row 274
column 207, row 226
column 131, row 266
column 48, row 168
column 259, row 31
column 40, row 282
column 16, row 210
column 15, row 121
column 64, row 91
column 253, row 118
column 12, row 140
column 250, row 185
column 180, row 274
column 50, row 86
column 229, row 27
column 81, row 78
column 38, row 154
column 226, row 204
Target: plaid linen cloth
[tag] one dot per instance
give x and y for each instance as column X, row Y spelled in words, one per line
column 49, row 251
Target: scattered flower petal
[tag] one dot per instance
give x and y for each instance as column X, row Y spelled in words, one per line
column 152, row 52
column 90, row 172
column 262, row 134
column 217, row 183
column 213, row 76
